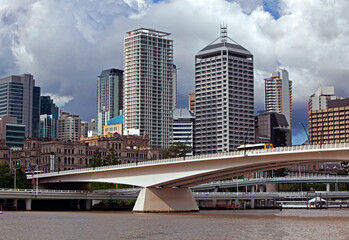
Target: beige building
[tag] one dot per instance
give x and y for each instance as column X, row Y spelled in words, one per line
column 330, row 125
column 278, row 94
column 69, row 127
column 130, row 148
column 114, row 128
column 192, row 102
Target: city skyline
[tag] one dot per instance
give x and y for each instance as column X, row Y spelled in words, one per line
column 66, row 49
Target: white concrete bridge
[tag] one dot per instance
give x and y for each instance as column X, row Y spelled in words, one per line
column 166, row 182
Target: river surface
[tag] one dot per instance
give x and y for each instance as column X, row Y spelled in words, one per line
column 246, row 224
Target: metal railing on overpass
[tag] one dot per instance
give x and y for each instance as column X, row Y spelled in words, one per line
column 263, row 181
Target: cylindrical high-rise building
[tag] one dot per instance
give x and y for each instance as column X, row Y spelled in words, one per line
column 148, row 85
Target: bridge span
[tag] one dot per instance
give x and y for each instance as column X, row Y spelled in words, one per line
column 166, row 182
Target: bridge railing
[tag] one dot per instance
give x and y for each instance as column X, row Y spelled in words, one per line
column 9, row 190
column 206, row 156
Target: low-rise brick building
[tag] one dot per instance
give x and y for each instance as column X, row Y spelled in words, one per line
column 58, row 155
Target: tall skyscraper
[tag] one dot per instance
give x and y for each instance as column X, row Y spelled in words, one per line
column 320, row 98
column 69, row 127
column 148, row 84
column 48, row 117
column 224, row 96
column 109, row 96
column 20, row 98
column 278, row 94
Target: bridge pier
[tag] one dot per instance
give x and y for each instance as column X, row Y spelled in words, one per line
column 327, row 187
column 165, row 200
column 88, row 204
column 28, row 204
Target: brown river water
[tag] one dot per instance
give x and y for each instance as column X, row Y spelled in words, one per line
column 248, row 224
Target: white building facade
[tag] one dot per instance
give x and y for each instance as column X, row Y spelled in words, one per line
column 183, row 127
column 148, row 85
column 224, row 96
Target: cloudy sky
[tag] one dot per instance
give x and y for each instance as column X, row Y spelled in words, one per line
column 65, row 44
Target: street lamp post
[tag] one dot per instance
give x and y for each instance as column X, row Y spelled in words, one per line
column 14, row 184
column 37, row 179
column 10, row 161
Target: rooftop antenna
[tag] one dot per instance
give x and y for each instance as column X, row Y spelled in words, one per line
column 224, row 33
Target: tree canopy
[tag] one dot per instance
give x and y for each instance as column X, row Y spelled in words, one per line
column 112, row 158
column 96, row 160
column 175, row 150
column 7, row 180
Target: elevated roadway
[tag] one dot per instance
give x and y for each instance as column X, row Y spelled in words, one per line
column 166, row 182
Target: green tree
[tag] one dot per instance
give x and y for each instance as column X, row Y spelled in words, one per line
column 175, row 150
column 7, row 180
column 345, row 166
column 96, row 160
column 111, row 158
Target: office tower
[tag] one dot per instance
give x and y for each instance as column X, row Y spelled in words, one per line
column 272, row 128
column 148, row 84
column 109, row 96
column 329, row 125
column 11, row 132
column 278, row 94
column 192, row 105
column 21, row 99
column 48, row 126
column 320, row 98
column 48, row 117
column 224, row 96
column 183, row 127
column 69, row 127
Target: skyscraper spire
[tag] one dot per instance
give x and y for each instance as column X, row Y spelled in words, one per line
column 224, row 33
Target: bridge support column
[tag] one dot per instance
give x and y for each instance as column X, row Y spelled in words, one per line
column 252, row 200
column 165, row 200
column 15, row 203
column 327, row 187
column 88, row 204
column 28, row 204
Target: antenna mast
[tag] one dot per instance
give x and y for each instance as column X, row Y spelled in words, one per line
column 224, row 33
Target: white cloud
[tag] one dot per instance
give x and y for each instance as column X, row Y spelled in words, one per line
column 60, row 101
column 66, row 44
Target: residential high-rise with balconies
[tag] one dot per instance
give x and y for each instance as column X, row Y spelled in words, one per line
column 109, row 96
column 224, row 96
column 148, row 85
column 278, row 94
column 69, row 127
